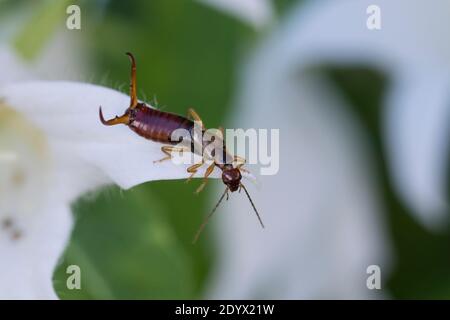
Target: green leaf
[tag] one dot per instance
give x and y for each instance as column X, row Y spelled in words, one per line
column 126, row 249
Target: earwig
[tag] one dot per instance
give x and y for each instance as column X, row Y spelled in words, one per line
column 158, row 126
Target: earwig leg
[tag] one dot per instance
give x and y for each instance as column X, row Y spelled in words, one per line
column 194, row 115
column 245, row 170
column 240, row 161
column 167, row 150
column 193, row 169
column 133, row 95
column 205, row 178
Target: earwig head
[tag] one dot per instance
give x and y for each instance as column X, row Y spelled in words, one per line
column 231, row 177
column 225, row 193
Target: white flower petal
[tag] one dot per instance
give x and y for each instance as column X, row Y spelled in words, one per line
column 28, row 263
column 336, row 31
column 62, row 151
column 256, row 12
column 408, row 45
column 324, row 229
column 68, row 114
column 34, row 221
column 13, row 69
column 417, row 132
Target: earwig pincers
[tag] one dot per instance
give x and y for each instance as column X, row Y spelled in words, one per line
column 158, row 126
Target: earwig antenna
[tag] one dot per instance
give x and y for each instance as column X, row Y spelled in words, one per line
column 202, row 226
column 253, row 205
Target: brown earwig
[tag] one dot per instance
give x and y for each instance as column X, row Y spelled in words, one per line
column 159, row 126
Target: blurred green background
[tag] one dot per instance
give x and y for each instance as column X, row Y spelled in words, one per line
column 137, row 243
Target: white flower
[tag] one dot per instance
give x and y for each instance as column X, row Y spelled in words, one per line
column 325, row 228
column 61, row 151
column 409, row 49
column 321, row 211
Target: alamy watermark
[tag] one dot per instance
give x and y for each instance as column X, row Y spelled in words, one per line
column 374, row 279
column 373, row 21
column 73, row 21
column 256, row 146
column 73, row 281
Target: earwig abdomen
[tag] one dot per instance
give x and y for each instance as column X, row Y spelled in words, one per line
column 157, row 125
